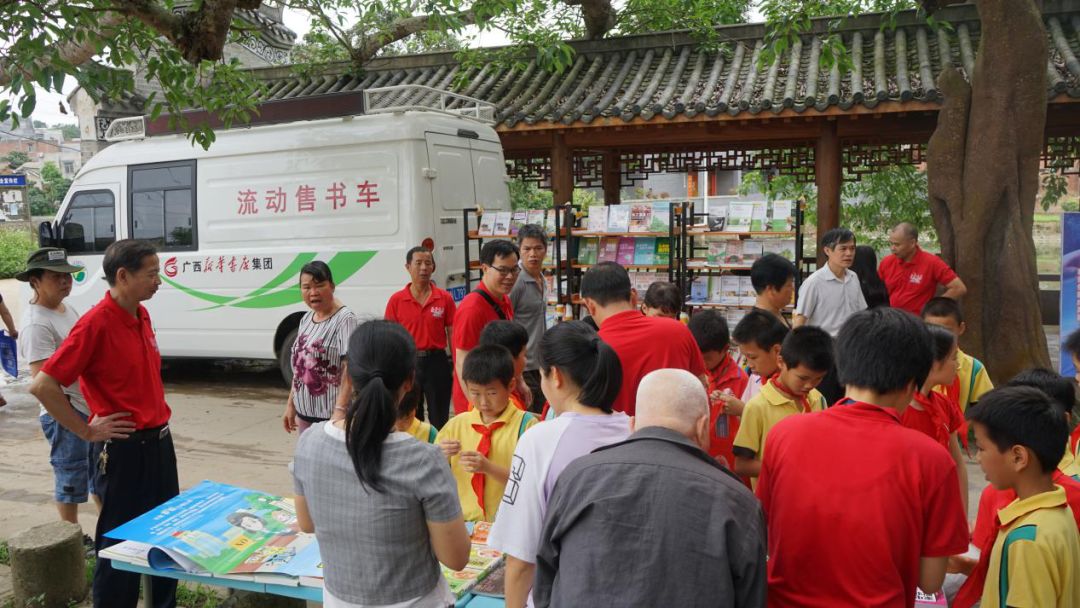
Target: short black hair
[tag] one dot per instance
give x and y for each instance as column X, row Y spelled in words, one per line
column 1059, row 388
column 498, row 248
column 771, row 270
column 884, row 350
column 809, row 346
column 607, row 283
column 942, row 341
column 664, row 296
column 415, row 250
column 761, row 328
column 532, row 231
column 943, row 307
column 710, row 331
column 127, row 254
column 1072, row 343
column 510, row 335
column 1021, row 415
column 319, row 271
column 487, row 363
column 837, row 236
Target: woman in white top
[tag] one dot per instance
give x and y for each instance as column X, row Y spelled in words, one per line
column 383, row 505
column 580, row 376
column 320, row 386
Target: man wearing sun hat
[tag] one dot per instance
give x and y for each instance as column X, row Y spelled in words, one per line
column 45, row 323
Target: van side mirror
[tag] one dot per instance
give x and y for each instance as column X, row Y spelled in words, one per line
column 46, row 237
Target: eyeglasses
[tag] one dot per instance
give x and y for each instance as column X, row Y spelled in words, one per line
column 505, row 272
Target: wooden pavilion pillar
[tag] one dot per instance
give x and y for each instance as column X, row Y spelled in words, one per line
column 829, row 179
column 612, row 178
column 562, row 170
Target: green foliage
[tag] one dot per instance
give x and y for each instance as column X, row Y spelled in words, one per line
column 16, row 244
column 1071, row 206
column 46, row 199
column 17, row 158
column 5, row 555
column 1054, row 187
column 528, row 195
column 69, row 131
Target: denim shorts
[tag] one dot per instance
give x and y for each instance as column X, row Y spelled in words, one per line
column 73, row 460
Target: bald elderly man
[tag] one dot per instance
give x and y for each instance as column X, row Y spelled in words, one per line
column 912, row 275
column 653, row 520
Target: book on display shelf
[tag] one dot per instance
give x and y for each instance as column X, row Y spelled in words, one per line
column 625, row 251
column 733, row 252
column 739, row 217
column 598, row 219
column 751, row 251
column 502, row 223
column 618, row 218
column 640, row 217
column 699, row 290
column 747, row 297
column 663, row 251
column 517, row 220
column 486, row 226
column 759, row 217
column 781, row 219
column 588, row 250
column 661, row 217
column 729, row 290
column 644, row 251
column 535, row 217
column 609, row 249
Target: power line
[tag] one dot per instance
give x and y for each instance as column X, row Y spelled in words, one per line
column 40, row 141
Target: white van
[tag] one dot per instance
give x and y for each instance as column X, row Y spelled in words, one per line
column 234, row 224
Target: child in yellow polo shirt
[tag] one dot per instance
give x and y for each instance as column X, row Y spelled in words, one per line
column 1035, row 561
column 407, row 421
column 806, row 355
column 972, row 381
column 481, row 442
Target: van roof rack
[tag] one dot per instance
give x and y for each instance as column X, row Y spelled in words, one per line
column 415, row 97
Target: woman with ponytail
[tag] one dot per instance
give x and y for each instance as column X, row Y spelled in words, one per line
column 383, row 505
column 581, row 376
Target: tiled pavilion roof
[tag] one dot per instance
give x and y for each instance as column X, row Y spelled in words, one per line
column 662, row 76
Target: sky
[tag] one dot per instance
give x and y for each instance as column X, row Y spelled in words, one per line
column 48, row 104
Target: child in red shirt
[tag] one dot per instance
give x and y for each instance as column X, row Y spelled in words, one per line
column 933, row 413
column 710, row 331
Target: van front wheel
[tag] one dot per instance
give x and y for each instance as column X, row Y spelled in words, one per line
column 285, row 357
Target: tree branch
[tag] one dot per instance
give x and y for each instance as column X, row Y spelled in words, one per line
column 400, row 29
column 932, row 6
column 74, row 53
column 599, row 17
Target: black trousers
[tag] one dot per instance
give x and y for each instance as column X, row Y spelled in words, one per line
column 434, row 383
column 830, row 387
column 532, row 379
column 140, row 475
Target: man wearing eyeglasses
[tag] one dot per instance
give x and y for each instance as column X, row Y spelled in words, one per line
column 489, row 302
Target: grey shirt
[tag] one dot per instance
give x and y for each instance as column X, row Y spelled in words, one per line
column 651, row 521
column 827, row 301
column 41, row 333
column 530, row 309
column 375, row 545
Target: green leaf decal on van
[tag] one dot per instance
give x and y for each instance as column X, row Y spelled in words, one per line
column 343, row 266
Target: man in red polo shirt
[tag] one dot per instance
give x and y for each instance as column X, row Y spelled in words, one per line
column 860, row 509
column 113, row 354
column 642, row 343
column 427, row 313
column 488, row 302
column 912, row 275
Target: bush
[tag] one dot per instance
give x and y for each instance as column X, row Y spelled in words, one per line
column 15, row 246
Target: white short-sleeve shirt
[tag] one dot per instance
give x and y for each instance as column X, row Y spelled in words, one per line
column 827, row 301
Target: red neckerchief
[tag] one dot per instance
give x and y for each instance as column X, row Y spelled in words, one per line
column 484, row 447
column 723, row 367
column 1074, row 439
column 775, row 382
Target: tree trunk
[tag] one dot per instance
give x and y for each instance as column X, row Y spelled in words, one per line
column 983, row 172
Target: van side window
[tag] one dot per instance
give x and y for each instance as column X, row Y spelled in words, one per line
column 89, row 225
column 163, row 204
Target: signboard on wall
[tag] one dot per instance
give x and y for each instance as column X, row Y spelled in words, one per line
column 1070, row 285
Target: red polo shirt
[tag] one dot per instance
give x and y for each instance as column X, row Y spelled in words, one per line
column 939, row 418
column 472, row 315
column 912, row 284
column 729, row 376
column 116, row 360
column 644, row 344
column 853, row 501
column 427, row 323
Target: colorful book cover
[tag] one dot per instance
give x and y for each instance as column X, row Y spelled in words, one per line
column 781, row 219
column 609, row 249
column 588, row 250
column 699, row 289
column 625, row 251
column 751, row 251
column 733, row 252
column 714, row 256
column 640, row 217
column 482, row 561
column 644, row 251
column 618, row 218
column 739, row 217
column 718, row 215
column 517, row 220
column 729, row 290
column 549, row 221
column 502, row 223
column 663, row 251
column 781, row 247
column 598, row 218
column 225, row 530
column 661, row 217
column 747, row 296
column 759, row 217
column 535, row 217
column 487, row 225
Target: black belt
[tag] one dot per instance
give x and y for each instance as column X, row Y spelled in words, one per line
column 155, row 434
column 424, row 353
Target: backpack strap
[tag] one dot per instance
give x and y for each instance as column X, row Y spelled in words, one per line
column 976, row 369
column 524, row 426
column 494, row 305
